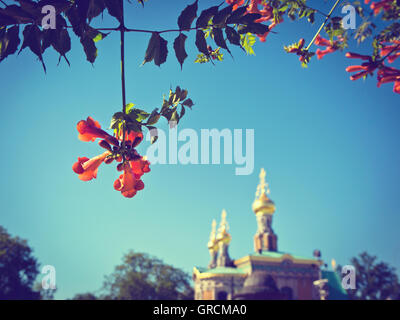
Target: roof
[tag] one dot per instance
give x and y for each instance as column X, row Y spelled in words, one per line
column 278, row 254
column 276, row 257
column 336, row 291
column 218, row 271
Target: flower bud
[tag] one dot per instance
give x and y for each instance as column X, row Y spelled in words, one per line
column 104, row 144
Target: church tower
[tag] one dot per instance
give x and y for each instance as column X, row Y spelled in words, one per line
column 224, row 239
column 265, row 239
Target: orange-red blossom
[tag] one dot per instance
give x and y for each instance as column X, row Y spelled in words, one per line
column 266, row 14
column 385, row 74
column 133, row 166
column 330, row 46
column 376, row 7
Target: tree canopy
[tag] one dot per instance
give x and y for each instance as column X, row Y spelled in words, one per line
column 375, row 280
column 18, row 268
column 143, row 277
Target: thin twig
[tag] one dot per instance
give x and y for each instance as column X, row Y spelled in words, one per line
column 323, row 24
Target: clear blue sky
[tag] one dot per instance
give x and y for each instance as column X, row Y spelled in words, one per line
column 330, row 147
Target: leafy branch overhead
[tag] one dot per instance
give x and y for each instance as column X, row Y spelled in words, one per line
column 222, row 24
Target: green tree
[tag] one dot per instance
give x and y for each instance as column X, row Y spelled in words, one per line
column 375, row 280
column 18, row 268
column 143, row 277
column 84, row 296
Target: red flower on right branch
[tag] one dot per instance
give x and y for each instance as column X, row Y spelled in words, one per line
column 330, row 46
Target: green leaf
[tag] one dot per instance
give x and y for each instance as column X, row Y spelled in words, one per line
column 114, row 8
column 154, row 117
column 201, row 42
column 179, row 47
column 205, row 17
column 32, row 40
column 96, row 7
column 236, row 15
column 219, row 39
column 255, row 28
column 187, row 16
column 188, row 103
column 233, row 36
column 249, row 18
column 156, row 50
column 248, row 40
column 62, row 43
column 129, row 107
column 116, row 120
column 89, row 48
column 222, row 15
column 138, row 115
column 16, row 13
column 9, row 42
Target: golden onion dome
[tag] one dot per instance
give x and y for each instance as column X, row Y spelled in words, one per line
column 224, row 237
column 262, row 204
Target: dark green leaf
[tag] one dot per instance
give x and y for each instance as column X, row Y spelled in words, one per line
column 96, row 7
column 221, row 17
column 9, row 42
column 201, row 42
column 156, row 50
column 236, row 15
column 32, row 40
column 161, row 53
column 154, row 117
column 187, row 16
column 255, row 28
column 232, row 36
column 182, row 112
column 219, row 39
column 89, row 48
column 249, row 18
column 114, row 8
column 188, row 103
column 62, row 43
column 17, row 13
column 179, row 47
column 205, row 17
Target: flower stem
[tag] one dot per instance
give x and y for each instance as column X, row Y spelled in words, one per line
column 122, row 32
column 323, row 24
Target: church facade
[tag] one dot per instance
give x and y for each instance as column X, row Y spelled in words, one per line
column 265, row 274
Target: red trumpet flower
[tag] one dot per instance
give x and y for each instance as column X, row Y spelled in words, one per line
column 87, row 168
column 127, row 182
column 90, row 130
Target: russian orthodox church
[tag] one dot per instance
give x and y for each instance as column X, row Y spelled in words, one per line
column 267, row 273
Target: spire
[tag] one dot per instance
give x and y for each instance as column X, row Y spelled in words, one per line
column 223, row 238
column 265, row 238
column 223, row 234
column 262, row 203
column 213, row 245
column 263, row 187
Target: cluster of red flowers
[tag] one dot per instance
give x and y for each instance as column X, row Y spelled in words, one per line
column 386, row 74
column 376, row 7
column 266, row 13
column 330, row 46
column 130, row 161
